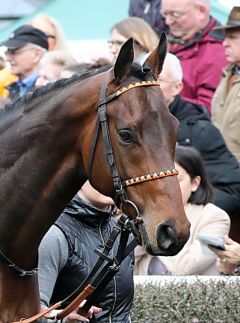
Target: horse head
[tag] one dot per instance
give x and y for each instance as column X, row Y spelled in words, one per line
column 139, row 135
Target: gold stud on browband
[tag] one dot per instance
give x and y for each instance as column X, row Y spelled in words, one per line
column 150, row 177
column 137, row 84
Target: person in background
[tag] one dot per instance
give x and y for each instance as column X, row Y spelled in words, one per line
column 197, row 130
column 198, row 46
column 54, row 31
column 67, row 255
column 51, row 66
column 228, row 259
column 205, row 218
column 149, row 10
column 25, row 48
column 226, row 100
column 145, row 39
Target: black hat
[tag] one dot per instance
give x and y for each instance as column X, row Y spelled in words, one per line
column 26, row 34
column 233, row 20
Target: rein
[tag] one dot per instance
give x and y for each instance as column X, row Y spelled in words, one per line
column 105, row 267
column 21, row 272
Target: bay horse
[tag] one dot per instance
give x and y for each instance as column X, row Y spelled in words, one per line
column 50, row 146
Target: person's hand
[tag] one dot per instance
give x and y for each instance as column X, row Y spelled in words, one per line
column 228, row 258
column 225, row 267
column 73, row 317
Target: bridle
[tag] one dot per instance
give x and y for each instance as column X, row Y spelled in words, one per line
column 105, row 267
column 103, row 121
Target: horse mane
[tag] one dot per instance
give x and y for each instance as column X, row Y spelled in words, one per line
column 48, row 88
column 136, row 70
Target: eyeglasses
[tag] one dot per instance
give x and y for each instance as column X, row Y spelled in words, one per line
column 175, row 14
column 18, row 51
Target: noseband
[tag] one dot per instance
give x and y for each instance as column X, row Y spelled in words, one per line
column 102, row 119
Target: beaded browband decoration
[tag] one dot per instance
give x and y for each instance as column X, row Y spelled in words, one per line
column 150, row 177
column 137, row 84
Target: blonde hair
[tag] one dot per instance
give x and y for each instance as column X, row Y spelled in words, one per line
column 141, row 32
column 58, row 32
column 59, row 58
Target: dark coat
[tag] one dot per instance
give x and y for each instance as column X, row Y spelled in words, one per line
column 197, row 130
column 149, row 10
column 87, row 228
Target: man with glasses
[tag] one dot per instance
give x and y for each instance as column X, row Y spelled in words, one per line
column 197, row 45
column 25, row 48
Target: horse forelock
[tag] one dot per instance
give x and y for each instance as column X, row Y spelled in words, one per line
column 141, row 73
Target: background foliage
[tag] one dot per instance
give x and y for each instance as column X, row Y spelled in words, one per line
column 184, row 302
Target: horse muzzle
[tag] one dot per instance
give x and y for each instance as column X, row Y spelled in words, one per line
column 168, row 241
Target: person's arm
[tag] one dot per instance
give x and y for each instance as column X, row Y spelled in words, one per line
column 53, row 255
column 208, row 72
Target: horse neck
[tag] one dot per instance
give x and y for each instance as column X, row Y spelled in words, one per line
column 40, row 168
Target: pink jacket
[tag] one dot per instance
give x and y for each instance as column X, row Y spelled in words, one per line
column 202, row 60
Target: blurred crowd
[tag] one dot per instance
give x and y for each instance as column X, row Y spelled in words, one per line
column 200, row 80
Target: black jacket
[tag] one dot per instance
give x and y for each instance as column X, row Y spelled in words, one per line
column 197, row 130
column 87, row 228
column 148, row 10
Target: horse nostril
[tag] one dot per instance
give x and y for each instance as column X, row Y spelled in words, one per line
column 166, row 235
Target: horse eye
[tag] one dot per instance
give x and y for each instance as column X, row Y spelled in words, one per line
column 126, row 135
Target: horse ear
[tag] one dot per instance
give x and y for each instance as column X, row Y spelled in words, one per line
column 156, row 58
column 124, row 61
